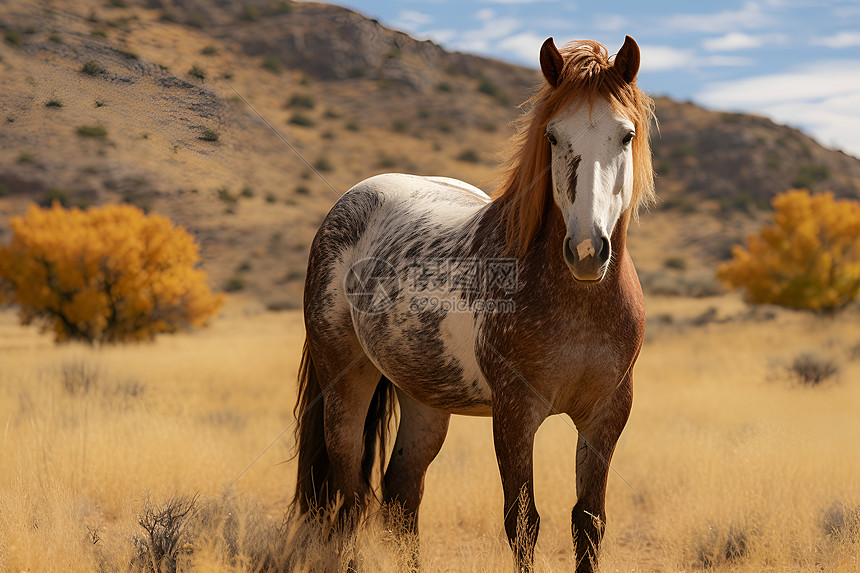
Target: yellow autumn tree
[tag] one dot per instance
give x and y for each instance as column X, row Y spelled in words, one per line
column 809, row 258
column 104, row 275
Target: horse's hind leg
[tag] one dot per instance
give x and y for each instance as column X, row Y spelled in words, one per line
column 420, row 435
column 348, row 380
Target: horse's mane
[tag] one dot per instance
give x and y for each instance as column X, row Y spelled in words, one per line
column 587, row 75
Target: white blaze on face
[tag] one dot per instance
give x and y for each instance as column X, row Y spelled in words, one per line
column 604, row 174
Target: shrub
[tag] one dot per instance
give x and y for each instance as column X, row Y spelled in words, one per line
column 235, row 284
column 469, row 156
column 227, row 197
column 301, row 100
column 811, row 370
column 301, row 120
column 677, row 263
column 400, row 125
column 26, row 158
column 444, row 87
column 13, row 37
column 808, row 175
column 247, row 192
column 92, row 131
column 56, row 195
column 250, row 13
column 53, row 103
column 809, row 258
column 165, row 528
column 209, row 135
column 271, row 63
column 209, row 51
column 91, row 68
column 487, row 86
column 323, row 164
column 270, row 198
column 195, row 21
column 302, row 190
column 104, row 275
column 99, row 33
column 197, row 72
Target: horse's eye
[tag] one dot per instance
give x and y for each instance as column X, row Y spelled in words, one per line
column 628, row 138
column 551, row 138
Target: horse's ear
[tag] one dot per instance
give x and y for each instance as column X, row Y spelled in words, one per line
column 627, row 60
column 551, row 62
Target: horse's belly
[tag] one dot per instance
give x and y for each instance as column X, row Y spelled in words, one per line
column 431, row 357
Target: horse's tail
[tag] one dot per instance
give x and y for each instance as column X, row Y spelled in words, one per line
column 312, row 482
column 312, row 476
column 378, row 434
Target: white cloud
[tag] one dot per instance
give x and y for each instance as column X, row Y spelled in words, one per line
column 822, row 97
column 515, row 1
column 731, row 42
column 665, row 58
column 749, row 16
column 482, row 39
column 840, row 40
column 526, row 45
column 485, row 14
column 662, row 58
column 442, row 35
column 412, row 19
column 723, row 61
column 611, row 22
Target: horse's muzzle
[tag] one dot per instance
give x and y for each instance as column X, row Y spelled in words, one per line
column 588, row 258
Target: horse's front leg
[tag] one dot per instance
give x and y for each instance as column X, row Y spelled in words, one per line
column 598, row 436
column 515, row 422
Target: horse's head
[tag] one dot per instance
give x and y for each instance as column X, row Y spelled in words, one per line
column 591, row 141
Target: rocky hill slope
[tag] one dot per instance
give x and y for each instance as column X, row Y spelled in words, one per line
column 161, row 103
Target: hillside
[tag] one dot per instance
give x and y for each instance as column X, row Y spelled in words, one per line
column 167, row 85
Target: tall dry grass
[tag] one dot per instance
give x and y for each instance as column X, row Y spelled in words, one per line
column 723, row 465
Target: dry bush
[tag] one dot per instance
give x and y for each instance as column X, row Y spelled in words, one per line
column 79, row 377
column 810, row 369
column 723, row 546
column 165, row 538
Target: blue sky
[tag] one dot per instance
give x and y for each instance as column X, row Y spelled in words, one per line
column 796, row 61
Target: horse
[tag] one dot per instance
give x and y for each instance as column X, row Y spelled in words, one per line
column 424, row 293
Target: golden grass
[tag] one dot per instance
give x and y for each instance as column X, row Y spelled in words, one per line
column 727, row 467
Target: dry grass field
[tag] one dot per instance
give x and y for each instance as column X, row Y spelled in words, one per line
column 728, row 462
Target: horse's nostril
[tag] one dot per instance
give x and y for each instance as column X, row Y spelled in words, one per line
column 603, row 253
column 568, row 251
